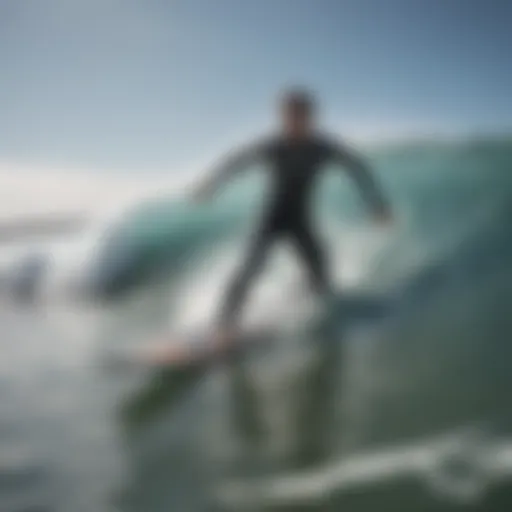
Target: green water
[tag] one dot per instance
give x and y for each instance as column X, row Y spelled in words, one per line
column 303, row 424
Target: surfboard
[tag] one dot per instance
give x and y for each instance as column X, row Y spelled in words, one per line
column 197, row 348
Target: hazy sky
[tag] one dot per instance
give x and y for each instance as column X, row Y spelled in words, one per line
column 154, row 84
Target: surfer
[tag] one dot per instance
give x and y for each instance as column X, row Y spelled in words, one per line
column 294, row 156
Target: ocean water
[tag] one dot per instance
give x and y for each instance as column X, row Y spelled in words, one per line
column 397, row 399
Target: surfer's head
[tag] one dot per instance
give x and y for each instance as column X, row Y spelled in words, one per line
column 297, row 112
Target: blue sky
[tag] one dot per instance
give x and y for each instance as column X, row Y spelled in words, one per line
column 154, row 85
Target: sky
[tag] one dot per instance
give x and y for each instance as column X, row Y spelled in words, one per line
column 154, row 85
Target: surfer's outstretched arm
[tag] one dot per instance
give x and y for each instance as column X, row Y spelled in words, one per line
column 365, row 180
column 230, row 166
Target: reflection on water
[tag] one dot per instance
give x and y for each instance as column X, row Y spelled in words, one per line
column 314, row 393
column 274, row 429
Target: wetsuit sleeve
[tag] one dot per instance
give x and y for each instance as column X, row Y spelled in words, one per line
column 234, row 162
column 362, row 175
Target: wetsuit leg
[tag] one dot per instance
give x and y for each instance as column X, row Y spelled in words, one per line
column 312, row 255
column 239, row 287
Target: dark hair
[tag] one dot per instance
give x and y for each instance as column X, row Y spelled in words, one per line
column 299, row 99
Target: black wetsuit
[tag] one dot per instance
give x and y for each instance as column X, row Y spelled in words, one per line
column 294, row 167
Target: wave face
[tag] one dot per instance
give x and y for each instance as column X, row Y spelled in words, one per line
column 446, row 196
